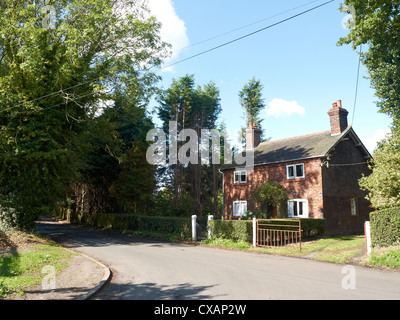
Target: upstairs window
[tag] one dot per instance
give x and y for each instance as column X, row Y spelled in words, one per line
column 240, row 177
column 295, row 171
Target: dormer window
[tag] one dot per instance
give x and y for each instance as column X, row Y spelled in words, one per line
column 240, row 177
column 295, row 171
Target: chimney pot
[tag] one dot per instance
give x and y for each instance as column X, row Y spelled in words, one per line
column 338, row 117
column 253, row 136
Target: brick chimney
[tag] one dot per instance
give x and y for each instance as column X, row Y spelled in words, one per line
column 338, row 117
column 253, row 136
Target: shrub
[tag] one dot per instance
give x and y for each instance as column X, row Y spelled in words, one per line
column 237, row 230
column 178, row 226
column 385, row 227
column 312, row 227
column 242, row 230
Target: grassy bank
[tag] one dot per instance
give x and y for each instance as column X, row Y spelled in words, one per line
column 349, row 249
column 22, row 258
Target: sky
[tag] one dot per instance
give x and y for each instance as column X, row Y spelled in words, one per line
column 298, row 62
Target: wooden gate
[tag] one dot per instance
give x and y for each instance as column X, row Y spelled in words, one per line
column 278, row 233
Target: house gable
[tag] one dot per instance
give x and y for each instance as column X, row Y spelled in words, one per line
column 319, row 173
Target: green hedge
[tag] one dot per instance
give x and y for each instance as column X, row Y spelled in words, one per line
column 385, row 227
column 312, row 227
column 180, row 227
column 231, row 229
column 243, row 229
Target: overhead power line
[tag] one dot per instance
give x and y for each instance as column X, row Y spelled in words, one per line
column 243, row 27
column 248, row 35
column 183, row 60
column 358, row 79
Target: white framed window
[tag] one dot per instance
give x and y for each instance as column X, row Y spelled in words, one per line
column 240, row 176
column 353, row 205
column 297, row 208
column 295, row 171
column 239, row 208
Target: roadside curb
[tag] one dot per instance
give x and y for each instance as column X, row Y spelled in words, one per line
column 106, row 278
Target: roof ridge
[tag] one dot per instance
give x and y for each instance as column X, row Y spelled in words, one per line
column 297, row 137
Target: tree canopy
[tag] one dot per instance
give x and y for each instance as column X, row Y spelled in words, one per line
column 376, row 26
column 253, row 103
column 191, row 188
column 53, row 81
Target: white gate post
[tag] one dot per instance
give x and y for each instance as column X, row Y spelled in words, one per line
column 367, row 229
column 254, row 232
column 208, row 228
column 194, row 231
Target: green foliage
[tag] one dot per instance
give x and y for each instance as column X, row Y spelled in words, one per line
column 270, row 194
column 388, row 257
column 192, row 188
column 52, row 82
column 252, row 102
column 236, row 230
column 312, row 227
column 243, row 229
column 377, row 26
column 179, row 227
column 22, row 269
column 383, row 184
column 385, row 227
column 135, row 184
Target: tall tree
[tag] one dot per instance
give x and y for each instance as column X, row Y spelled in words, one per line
column 52, row 78
column 194, row 108
column 376, row 26
column 252, row 102
column 384, row 182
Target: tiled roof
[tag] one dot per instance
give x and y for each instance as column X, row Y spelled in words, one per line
column 296, row 148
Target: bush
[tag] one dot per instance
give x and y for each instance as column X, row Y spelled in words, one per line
column 242, row 230
column 178, row 226
column 385, row 227
column 237, row 230
column 312, row 227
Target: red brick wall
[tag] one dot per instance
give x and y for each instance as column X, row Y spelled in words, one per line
column 328, row 190
column 309, row 188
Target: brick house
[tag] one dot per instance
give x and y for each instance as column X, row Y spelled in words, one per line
column 319, row 173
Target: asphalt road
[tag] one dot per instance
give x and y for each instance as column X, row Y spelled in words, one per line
column 156, row 270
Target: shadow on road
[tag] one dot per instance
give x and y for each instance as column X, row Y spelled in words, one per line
column 153, row 291
column 80, row 236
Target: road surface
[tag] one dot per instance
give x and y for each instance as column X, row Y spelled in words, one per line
column 156, row 270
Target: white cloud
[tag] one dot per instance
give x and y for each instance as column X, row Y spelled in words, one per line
column 371, row 142
column 173, row 29
column 279, row 107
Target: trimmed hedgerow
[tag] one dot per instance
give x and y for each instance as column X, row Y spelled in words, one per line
column 231, row 229
column 385, row 227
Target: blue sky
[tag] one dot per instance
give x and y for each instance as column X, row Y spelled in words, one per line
column 302, row 69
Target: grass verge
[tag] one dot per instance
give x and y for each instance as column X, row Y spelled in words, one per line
column 339, row 250
column 22, row 258
column 385, row 257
